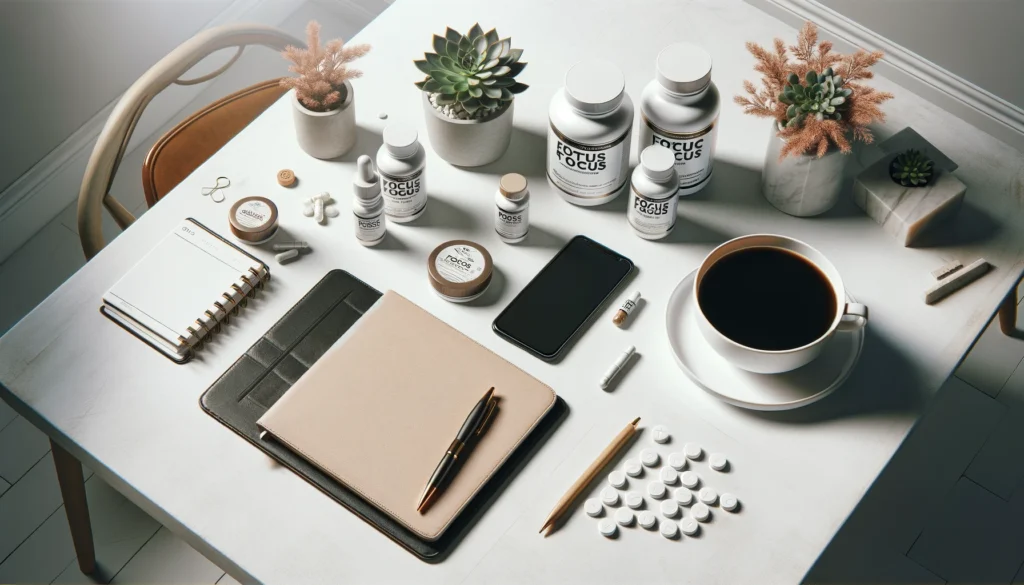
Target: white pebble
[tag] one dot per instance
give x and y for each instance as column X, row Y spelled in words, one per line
column 689, row 479
column 610, row 497
column 700, row 512
column 286, row 257
column 669, row 508
column 634, row 500
column 729, row 502
column 718, row 461
column 661, row 434
column 607, row 528
column 656, row 489
column 593, row 507
column 649, row 457
column 669, row 529
column 708, row 495
column 683, row 496
column 617, row 479
column 332, row 212
column 668, row 475
column 647, row 519
column 689, row 526
column 633, row 467
column 692, row 450
column 624, row 516
column 677, row 461
column 307, row 209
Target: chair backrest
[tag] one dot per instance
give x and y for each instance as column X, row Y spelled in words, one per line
column 94, row 194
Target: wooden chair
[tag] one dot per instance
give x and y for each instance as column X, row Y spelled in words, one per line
column 1008, row 314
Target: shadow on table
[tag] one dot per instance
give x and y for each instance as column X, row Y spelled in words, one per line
column 971, row 225
column 526, row 155
column 443, row 213
column 368, row 142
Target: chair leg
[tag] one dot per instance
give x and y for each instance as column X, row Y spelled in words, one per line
column 1008, row 313
column 72, row 489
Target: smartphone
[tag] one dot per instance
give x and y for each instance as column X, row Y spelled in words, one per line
column 556, row 305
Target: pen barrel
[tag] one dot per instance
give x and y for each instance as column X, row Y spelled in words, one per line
column 443, row 468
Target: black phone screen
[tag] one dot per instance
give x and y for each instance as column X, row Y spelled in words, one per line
column 562, row 297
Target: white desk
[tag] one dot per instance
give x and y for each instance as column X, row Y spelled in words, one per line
column 133, row 416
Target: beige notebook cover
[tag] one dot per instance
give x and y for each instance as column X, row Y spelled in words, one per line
column 380, row 408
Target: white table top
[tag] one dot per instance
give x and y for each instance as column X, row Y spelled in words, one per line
column 133, row 416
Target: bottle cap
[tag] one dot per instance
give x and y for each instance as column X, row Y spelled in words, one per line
column 512, row 186
column 594, row 86
column 683, row 68
column 658, row 163
column 365, row 184
column 400, row 140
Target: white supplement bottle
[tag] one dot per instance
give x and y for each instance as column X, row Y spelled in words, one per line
column 591, row 120
column 679, row 110
column 512, row 208
column 400, row 162
column 367, row 205
column 653, row 194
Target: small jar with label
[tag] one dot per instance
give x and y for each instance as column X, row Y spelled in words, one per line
column 653, row 194
column 591, row 121
column 679, row 110
column 367, row 205
column 400, row 163
column 512, row 208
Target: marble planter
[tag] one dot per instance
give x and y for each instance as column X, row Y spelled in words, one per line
column 805, row 185
column 325, row 134
column 468, row 143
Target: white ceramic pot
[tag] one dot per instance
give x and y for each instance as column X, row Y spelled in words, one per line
column 848, row 316
column 325, row 134
column 802, row 185
column 468, row 143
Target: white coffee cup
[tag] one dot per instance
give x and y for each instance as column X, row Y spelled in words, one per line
column 849, row 316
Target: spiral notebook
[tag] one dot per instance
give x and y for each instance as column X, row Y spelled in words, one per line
column 178, row 295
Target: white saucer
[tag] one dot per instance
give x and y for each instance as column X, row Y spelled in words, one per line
column 785, row 391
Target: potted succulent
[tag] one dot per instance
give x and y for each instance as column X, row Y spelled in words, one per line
column 819, row 106
column 468, row 95
column 322, row 96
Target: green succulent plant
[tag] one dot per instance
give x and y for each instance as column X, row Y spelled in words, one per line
column 911, row 168
column 819, row 95
column 477, row 70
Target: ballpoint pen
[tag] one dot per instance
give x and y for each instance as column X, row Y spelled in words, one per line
column 474, row 425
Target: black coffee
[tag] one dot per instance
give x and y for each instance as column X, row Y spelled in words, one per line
column 767, row 298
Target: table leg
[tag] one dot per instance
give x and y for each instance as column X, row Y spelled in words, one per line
column 1008, row 313
column 72, row 489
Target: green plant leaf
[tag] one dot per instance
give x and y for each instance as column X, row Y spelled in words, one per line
column 449, row 64
column 452, row 35
column 431, row 85
column 506, row 46
column 476, row 92
column 492, row 92
column 439, row 45
column 447, row 89
column 423, row 66
column 475, row 31
column 482, row 74
column 479, row 47
column 461, row 96
column 506, row 95
column 488, row 81
column 465, row 45
column 471, row 105
column 461, row 86
column 472, row 81
column 452, row 50
column 502, row 81
column 519, row 88
column 515, row 69
column 489, row 65
column 444, row 99
column 791, row 111
column 811, row 77
column 502, row 71
column 433, row 59
column 421, row 84
column 494, row 51
column 515, row 54
column 491, row 36
column 794, row 79
column 837, row 101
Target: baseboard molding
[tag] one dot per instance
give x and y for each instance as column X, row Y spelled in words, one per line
column 49, row 186
column 951, row 92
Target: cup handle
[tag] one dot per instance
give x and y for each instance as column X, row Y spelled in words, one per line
column 855, row 316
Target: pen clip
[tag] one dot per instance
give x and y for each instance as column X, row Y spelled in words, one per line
column 492, row 406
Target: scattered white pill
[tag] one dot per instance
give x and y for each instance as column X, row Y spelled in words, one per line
column 593, row 507
column 692, row 450
column 634, row 500
column 661, row 434
column 689, row 479
column 633, row 467
column 649, row 457
column 677, row 461
column 700, row 512
column 607, row 528
column 683, row 496
column 647, row 519
column 689, row 526
column 332, row 212
column 617, row 479
column 383, row 115
column 669, row 508
column 708, row 495
column 624, row 516
column 669, row 529
column 286, row 257
column 307, row 209
column 668, row 475
column 656, row 489
column 729, row 502
column 610, row 497
column 718, row 461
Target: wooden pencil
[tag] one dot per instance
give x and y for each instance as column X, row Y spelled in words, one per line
column 607, row 456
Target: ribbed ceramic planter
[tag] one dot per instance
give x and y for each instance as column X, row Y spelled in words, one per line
column 468, row 143
column 804, row 185
column 325, row 134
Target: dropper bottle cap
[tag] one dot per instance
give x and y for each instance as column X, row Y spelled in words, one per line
column 365, row 185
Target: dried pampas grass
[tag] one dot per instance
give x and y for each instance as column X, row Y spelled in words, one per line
column 322, row 70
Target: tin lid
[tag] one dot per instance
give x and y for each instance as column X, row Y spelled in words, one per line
column 594, row 86
column 460, row 269
column 400, row 140
column 683, row 68
column 657, row 162
column 512, row 186
column 253, row 219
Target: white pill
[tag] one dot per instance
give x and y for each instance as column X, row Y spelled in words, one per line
column 624, row 516
column 700, row 512
column 649, row 457
column 647, row 519
column 689, row 526
column 730, row 502
column 683, row 496
column 593, row 507
column 690, row 479
column 617, row 479
column 677, row 461
column 318, row 210
column 656, row 489
column 718, row 461
column 668, row 475
column 610, row 497
column 332, row 211
column 285, row 257
column 307, row 210
column 661, row 434
column 607, row 528
column 669, row 529
column 634, row 500
column 669, row 508
column 633, row 467
column 692, row 450
column 708, row 495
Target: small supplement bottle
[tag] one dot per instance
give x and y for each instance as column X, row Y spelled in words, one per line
column 591, row 121
column 512, row 208
column 653, row 194
column 679, row 110
column 367, row 205
column 400, row 163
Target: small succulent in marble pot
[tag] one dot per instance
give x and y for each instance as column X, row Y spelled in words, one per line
column 911, row 168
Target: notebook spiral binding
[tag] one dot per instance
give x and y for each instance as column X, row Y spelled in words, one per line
column 230, row 303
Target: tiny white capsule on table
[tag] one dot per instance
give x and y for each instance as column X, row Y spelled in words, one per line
column 624, row 516
column 649, row 457
column 593, row 507
column 689, row 479
column 708, row 495
column 634, row 500
column 633, row 467
column 286, row 257
column 718, row 461
column 729, row 502
column 647, row 519
column 669, row 508
column 692, row 451
column 607, row 528
column 683, row 496
column 668, row 475
column 677, row 461
column 613, row 370
column 700, row 512
column 656, row 490
column 318, row 210
column 285, row 246
column 617, row 479
column 669, row 529
column 689, row 526
column 661, row 434
column 610, row 497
